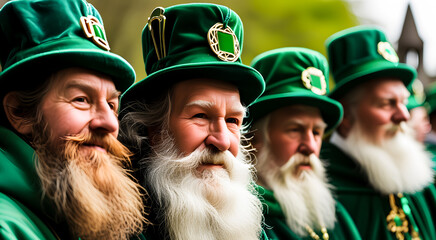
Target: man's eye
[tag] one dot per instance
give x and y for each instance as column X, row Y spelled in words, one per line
column 112, row 105
column 233, row 120
column 80, row 99
column 200, row 115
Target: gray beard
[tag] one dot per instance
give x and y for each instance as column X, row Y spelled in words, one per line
column 306, row 200
column 399, row 164
column 214, row 204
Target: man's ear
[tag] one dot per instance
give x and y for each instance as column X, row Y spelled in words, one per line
column 10, row 106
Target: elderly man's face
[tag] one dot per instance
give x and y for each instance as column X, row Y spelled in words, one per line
column 80, row 101
column 381, row 107
column 295, row 129
column 206, row 113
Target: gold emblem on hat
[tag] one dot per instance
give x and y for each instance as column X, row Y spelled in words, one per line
column 156, row 26
column 387, row 51
column 418, row 91
column 223, row 42
column 314, row 80
column 95, row 31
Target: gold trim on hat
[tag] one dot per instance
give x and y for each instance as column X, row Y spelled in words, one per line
column 306, row 77
column 159, row 43
column 99, row 38
column 387, row 51
column 212, row 37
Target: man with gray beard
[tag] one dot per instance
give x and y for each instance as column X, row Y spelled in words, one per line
column 383, row 176
column 290, row 120
column 63, row 173
column 184, row 124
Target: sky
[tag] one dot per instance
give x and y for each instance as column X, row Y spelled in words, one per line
column 389, row 15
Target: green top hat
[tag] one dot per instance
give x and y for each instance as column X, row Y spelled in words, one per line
column 295, row 76
column 363, row 53
column 193, row 41
column 40, row 36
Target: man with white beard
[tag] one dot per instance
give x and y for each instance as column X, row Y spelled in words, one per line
column 383, row 176
column 184, row 124
column 290, row 119
column 63, row 173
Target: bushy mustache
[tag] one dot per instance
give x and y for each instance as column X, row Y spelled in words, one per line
column 107, row 142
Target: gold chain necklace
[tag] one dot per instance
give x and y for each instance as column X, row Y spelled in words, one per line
column 397, row 221
column 315, row 236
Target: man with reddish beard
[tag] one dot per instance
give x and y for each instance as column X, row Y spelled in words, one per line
column 62, row 171
column 383, row 176
column 184, row 124
column 290, row 120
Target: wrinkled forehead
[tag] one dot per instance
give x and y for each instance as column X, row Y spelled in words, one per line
column 206, row 93
column 387, row 86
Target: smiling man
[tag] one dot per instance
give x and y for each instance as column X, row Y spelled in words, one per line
column 63, row 173
column 184, row 124
column 289, row 123
column 382, row 175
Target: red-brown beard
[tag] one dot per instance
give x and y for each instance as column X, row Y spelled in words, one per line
column 92, row 191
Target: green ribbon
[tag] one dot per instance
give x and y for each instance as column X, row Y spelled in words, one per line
column 408, row 212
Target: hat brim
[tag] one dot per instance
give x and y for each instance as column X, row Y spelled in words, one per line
column 331, row 111
column 373, row 70
column 75, row 52
column 248, row 80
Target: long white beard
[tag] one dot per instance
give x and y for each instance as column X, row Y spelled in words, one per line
column 306, row 200
column 219, row 204
column 399, row 164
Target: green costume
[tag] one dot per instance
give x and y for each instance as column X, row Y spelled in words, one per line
column 21, row 209
column 369, row 208
column 189, row 41
column 358, row 55
column 37, row 38
column 297, row 76
column 277, row 227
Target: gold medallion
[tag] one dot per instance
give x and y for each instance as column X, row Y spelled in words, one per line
column 387, row 51
column 95, row 31
column 314, row 80
column 224, row 42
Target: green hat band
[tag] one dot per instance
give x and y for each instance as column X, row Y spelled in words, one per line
column 189, row 41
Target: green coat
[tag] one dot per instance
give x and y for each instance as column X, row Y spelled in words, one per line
column 20, row 194
column 277, row 229
column 370, row 208
column 21, row 212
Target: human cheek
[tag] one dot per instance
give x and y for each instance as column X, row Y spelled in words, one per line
column 189, row 137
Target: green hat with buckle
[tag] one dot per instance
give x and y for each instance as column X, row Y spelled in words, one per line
column 295, row 76
column 359, row 54
column 190, row 41
column 38, row 37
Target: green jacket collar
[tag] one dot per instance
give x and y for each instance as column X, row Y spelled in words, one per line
column 18, row 177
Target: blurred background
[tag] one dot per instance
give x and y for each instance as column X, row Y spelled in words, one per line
column 271, row 24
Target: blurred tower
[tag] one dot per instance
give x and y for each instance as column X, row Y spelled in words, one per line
column 411, row 48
